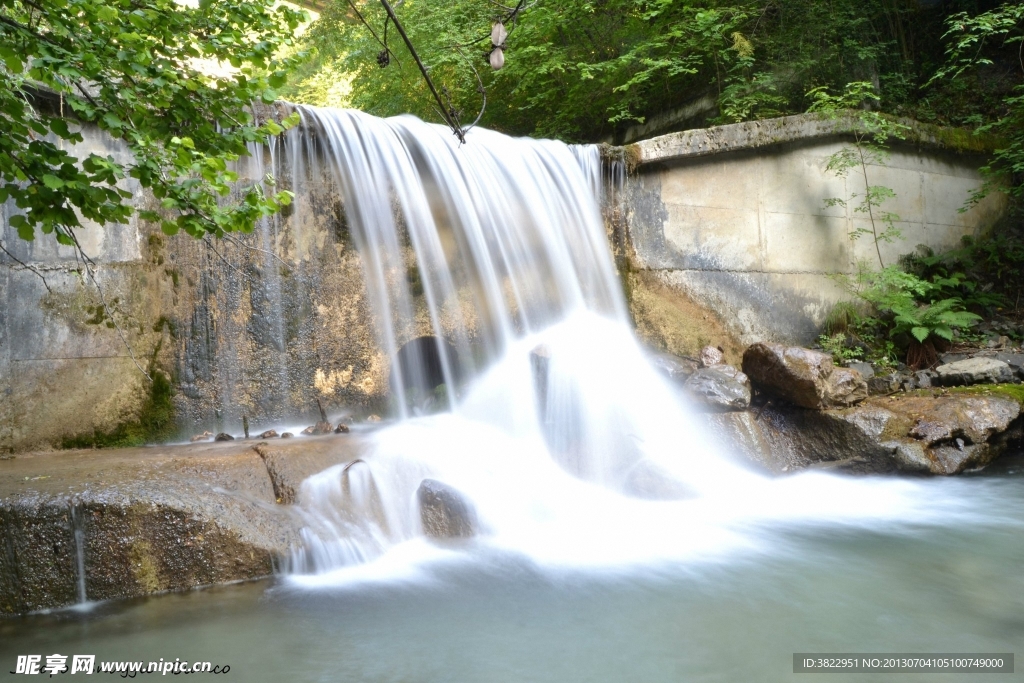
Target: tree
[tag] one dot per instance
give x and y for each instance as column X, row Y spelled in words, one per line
column 174, row 81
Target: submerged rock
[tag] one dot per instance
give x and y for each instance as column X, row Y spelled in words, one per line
column 722, row 387
column 341, row 429
column 978, row 370
column 803, row 377
column 201, row 437
column 286, row 435
column 269, row 434
column 444, row 511
column 223, row 437
column 652, row 482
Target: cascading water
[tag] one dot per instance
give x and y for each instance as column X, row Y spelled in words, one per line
column 556, row 425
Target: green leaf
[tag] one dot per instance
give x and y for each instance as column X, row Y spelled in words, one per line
column 920, row 333
column 52, row 182
column 107, row 13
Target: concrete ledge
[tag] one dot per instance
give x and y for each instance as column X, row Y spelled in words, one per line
column 135, row 521
column 766, row 133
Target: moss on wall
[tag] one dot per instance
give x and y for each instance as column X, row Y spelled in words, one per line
column 154, row 423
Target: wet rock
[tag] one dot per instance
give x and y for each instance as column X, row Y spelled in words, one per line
column 286, row 435
column 444, row 511
column 373, row 418
column 883, row 385
column 223, row 437
column 974, row 371
column 290, row 464
column 711, row 355
column 269, row 434
column 152, row 519
column 322, row 428
column 675, row 368
column 865, row 369
column 942, row 435
column 924, row 379
column 652, row 482
column 201, row 437
column 803, row 377
column 341, row 429
column 721, row 387
column 308, row 431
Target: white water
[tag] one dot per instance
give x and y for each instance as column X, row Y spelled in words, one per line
column 512, row 253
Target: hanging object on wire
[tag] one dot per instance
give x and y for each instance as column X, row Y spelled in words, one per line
column 498, row 36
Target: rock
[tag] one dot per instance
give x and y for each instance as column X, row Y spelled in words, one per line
column 803, row 377
column 373, row 418
column 652, row 482
column 444, row 512
column 269, row 434
column 946, row 358
column 308, row 431
column 223, row 437
column 974, row 371
column 341, row 429
column 322, row 428
column 865, row 369
column 1014, row 360
column 289, row 464
column 153, row 519
column 286, row 435
column 883, row 385
column 201, row 437
column 924, row 378
column 675, row 368
column 711, row 355
column 909, row 433
column 722, row 387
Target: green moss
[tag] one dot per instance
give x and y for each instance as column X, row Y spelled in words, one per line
column 1014, row 391
column 154, row 423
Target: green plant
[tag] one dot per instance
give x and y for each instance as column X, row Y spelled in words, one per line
column 871, row 134
column 836, row 345
column 174, row 81
column 913, row 304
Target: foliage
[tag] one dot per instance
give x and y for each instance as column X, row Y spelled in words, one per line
column 584, row 70
column 174, row 81
column 974, row 43
column 871, row 138
column 573, row 68
column 906, row 312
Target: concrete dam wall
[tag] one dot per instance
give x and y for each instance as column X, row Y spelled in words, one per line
column 735, row 218
column 721, row 235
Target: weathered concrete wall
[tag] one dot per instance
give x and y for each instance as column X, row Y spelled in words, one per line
column 260, row 325
column 735, row 217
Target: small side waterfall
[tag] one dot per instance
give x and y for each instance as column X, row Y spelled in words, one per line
column 78, row 528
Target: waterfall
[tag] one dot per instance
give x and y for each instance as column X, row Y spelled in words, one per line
column 530, row 397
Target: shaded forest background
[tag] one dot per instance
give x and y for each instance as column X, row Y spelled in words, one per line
column 586, row 70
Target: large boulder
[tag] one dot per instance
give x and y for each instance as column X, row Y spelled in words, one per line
column 979, row 370
column 720, row 387
column 444, row 511
column 803, row 377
